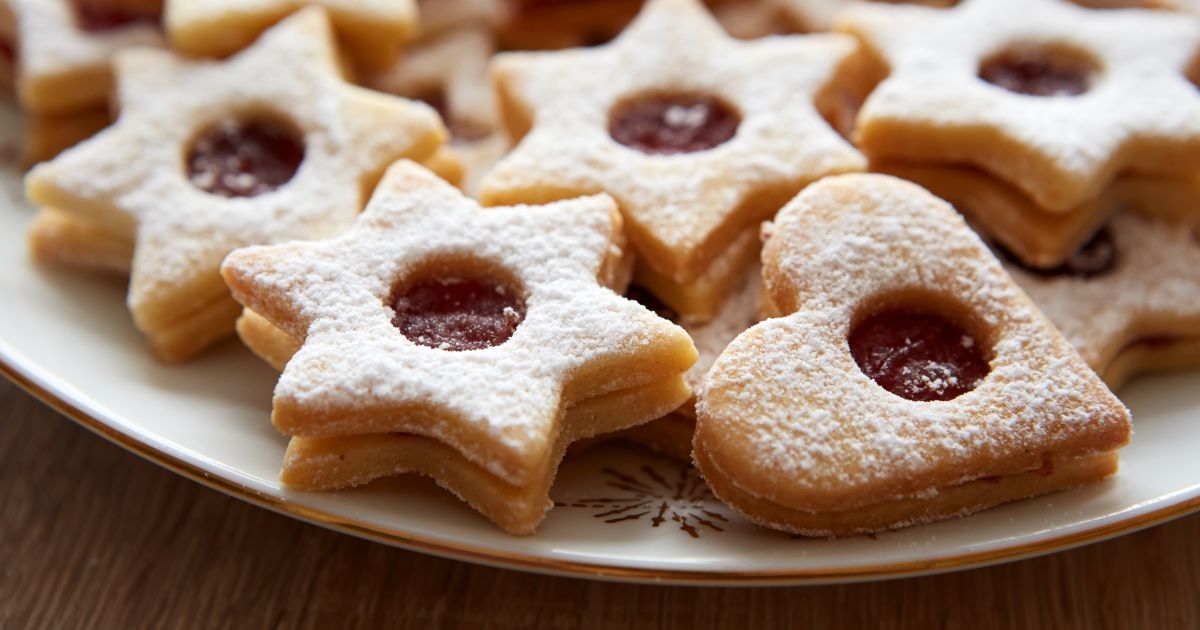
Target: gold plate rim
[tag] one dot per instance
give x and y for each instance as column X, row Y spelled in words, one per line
column 567, row 568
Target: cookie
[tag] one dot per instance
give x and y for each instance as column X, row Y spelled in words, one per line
column 909, row 379
column 1133, row 288
column 427, row 297
column 697, row 135
column 372, row 31
column 1034, row 92
column 1035, row 237
column 64, row 49
column 270, row 145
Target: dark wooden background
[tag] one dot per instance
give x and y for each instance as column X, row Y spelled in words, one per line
column 95, row 537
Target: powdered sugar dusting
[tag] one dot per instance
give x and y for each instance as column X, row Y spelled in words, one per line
column 133, row 172
column 513, row 394
column 934, row 55
column 787, row 399
column 1153, row 291
column 680, row 200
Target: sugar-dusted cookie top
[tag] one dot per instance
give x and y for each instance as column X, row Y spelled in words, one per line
column 1137, row 279
column 270, row 145
column 697, row 135
column 64, row 50
column 371, row 30
column 436, row 317
column 905, row 360
column 1052, row 97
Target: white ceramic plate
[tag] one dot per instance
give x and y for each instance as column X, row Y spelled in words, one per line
column 623, row 513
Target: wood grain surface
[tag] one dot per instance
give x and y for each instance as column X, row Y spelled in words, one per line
column 93, row 537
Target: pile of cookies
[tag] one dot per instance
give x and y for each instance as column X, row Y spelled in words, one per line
column 471, row 233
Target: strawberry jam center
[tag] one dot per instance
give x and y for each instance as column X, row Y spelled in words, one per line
column 917, row 355
column 96, row 16
column 457, row 314
column 1036, row 72
column 667, row 125
column 1096, row 257
column 245, row 158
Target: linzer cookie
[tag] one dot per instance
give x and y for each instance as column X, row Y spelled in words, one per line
column 465, row 344
column 697, row 135
column 449, row 72
column 206, row 157
column 372, row 31
column 909, row 379
column 63, row 48
column 1133, row 288
column 1054, row 99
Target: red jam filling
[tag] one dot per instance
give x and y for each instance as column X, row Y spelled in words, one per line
column 917, row 355
column 457, row 314
column 245, row 158
column 104, row 15
column 1096, row 257
column 667, row 125
column 1036, row 72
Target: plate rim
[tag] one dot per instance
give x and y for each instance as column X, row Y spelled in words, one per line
column 12, row 368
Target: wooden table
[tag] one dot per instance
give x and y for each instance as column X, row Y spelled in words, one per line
column 95, row 537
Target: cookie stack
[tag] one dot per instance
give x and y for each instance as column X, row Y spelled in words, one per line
column 563, row 246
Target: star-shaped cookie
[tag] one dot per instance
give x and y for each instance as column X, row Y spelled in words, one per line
column 1054, row 98
column 64, row 51
column 178, row 174
column 1133, row 287
column 371, row 30
column 372, row 363
column 741, row 130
